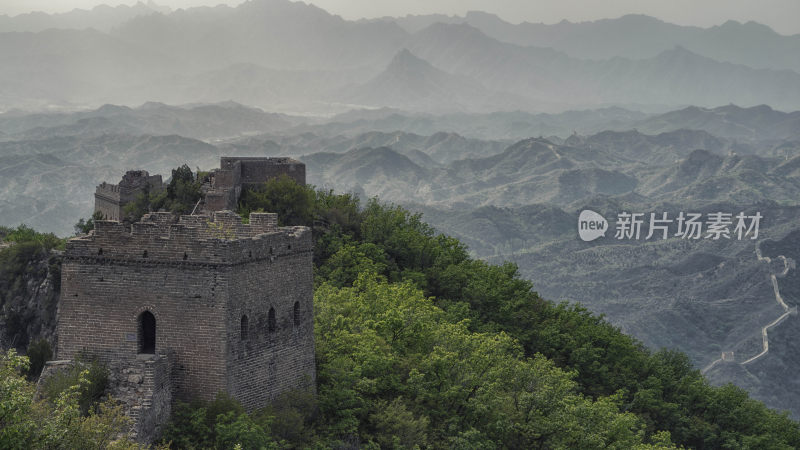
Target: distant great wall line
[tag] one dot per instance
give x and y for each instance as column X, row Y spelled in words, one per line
column 786, row 310
column 778, row 297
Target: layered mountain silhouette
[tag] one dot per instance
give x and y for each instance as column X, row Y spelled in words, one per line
column 295, row 57
column 101, row 17
column 196, row 121
column 411, row 83
column 758, row 122
column 673, row 76
column 634, row 36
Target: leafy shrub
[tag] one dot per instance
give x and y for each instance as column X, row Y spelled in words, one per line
column 56, row 424
column 180, row 196
column 293, row 203
column 219, row 424
column 291, row 418
column 39, row 352
column 26, row 234
column 84, row 226
column 95, row 376
column 232, row 429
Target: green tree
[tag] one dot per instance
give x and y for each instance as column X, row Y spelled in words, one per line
column 39, row 352
column 351, row 260
column 382, row 344
column 84, row 226
column 294, row 203
column 219, row 424
column 144, row 203
column 180, row 197
column 25, row 234
column 183, row 190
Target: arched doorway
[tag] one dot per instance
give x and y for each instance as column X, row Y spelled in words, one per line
column 147, row 333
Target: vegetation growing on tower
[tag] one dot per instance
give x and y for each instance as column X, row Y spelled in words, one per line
column 180, row 196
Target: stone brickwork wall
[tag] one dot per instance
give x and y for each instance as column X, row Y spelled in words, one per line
column 110, row 199
column 107, row 201
column 196, row 275
column 267, row 359
column 256, row 170
column 50, row 369
column 237, row 173
column 107, row 285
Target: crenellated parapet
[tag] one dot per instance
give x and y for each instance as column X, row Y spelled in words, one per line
column 229, row 303
column 111, row 190
column 220, row 238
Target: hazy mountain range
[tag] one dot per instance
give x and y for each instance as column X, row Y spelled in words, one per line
column 748, row 154
column 101, row 17
column 499, row 133
column 507, row 198
column 293, row 57
column 751, row 44
column 232, row 122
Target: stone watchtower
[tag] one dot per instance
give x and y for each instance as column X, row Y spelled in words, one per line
column 110, row 199
column 184, row 308
column 237, row 173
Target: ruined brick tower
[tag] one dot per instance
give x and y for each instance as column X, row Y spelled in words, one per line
column 184, row 308
column 237, row 173
column 110, row 199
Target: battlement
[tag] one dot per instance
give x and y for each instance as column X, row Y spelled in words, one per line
column 106, row 187
column 221, row 238
column 231, row 303
column 108, row 191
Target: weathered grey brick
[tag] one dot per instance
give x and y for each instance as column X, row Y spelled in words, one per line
column 199, row 276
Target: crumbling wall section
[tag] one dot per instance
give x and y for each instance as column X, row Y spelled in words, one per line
column 142, row 386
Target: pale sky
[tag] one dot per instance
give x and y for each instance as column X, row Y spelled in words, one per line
column 781, row 15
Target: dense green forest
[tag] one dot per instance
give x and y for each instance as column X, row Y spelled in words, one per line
column 421, row 346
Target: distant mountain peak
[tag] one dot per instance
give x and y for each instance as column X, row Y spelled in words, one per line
column 679, row 51
column 404, row 60
column 639, row 18
column 112, row 109
column 474, row 14
column 412, row 70
column 463, row 29
column 152, row 106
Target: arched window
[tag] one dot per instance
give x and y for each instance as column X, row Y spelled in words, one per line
column 296, row 314
column 244, row 327
column 271, row 322
column 147, row 333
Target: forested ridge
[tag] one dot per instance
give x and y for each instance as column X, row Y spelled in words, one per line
column 419, row 345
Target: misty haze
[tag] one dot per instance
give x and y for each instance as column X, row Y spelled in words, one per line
column 329, row 131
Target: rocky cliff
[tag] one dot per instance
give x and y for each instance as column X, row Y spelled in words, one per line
column 30, row 281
